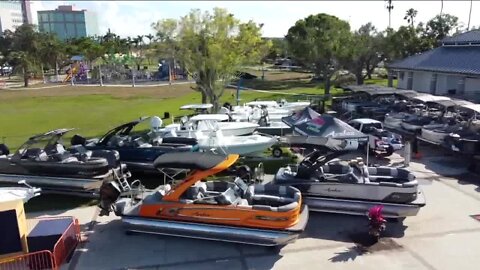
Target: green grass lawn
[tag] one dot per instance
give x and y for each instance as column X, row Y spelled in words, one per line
column 98, row 111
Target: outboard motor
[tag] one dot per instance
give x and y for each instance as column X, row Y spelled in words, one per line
column 109, row 194
column 4, row 150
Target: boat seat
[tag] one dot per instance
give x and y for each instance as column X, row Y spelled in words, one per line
column 397, row 173
column 337, row 168
column 229, row 197
column 80, row 152
column 195, row 193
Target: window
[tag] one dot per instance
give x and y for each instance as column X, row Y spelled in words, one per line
column 70, row 29
column 80, row 17
column 81, row 32
column 69, row 17
column 44, row 17
column 58, row 17
column 45, row 27
column 402, row 75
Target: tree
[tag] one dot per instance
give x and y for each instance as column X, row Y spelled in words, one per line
column 167, row 33
column 213, row 47
column 51, row 51
column 410, row 16
column 364, row 52
column 440, row 27
column 25, row 50
column 319, row 41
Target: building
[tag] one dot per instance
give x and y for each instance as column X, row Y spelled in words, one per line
column 451, row 69
column 68, row 23
column 12, row 14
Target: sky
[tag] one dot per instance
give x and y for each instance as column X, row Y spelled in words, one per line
column 132, row 18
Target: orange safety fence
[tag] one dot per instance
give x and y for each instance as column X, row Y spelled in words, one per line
column 31, row 261
column 46, row 259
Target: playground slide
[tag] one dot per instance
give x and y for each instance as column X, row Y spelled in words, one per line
column 69, row 75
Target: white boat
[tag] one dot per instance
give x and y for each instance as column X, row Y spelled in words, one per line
column 285, row 105
column 253, row 113
column 189, row 128
column 242, row 145
column 18, row 193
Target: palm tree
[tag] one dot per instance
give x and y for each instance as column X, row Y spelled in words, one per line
column 469, row 15
column 150, row 38
column 410, row 16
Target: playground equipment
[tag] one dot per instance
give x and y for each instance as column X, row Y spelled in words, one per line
column 79, row 70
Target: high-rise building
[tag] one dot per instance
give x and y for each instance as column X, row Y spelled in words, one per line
column 26, row 12
column 12, row 14
column 68, row 23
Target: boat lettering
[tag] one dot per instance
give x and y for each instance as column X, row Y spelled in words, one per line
column 333, row 190
column 201, row 214
column 272, row 218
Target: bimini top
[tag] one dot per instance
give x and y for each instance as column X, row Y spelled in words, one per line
column 214, row 117
column 428, row 97
column 196, row 107
column 57, row 132
column 190, row 160
column 474, row 107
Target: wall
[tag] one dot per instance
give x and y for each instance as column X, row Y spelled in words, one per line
column 472, row 86
column 402, row 80
column 421, row 81
column 10, row 15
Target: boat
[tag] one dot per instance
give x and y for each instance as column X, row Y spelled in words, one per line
column 242, row 145
column 436, row 112
column 189, row 126
column 466, row 139
column 414, row 105
column 335, row 186
column 43, row 161
column 137, row 149
column 451, row 122
column 230, row 211
column 310, row 123
column 19, row 193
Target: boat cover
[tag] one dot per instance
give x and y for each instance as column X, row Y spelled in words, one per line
column 310, row 123
column 189, row 160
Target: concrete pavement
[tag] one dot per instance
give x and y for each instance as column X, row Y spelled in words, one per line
column 442, row 236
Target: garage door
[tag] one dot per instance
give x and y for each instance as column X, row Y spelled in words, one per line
column 472, row 86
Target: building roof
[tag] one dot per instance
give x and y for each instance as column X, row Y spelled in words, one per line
column 448, row 59
column 463, row 38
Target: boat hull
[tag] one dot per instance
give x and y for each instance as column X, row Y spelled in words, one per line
column 359, row 207
column 205, row 231
column 239, row 145
column 433, row 136
column 57, row 185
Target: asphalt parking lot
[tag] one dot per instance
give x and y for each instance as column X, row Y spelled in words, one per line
column 444, row 235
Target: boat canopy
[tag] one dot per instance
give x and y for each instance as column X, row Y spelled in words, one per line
column 196, row 107
column 310, row 123
column 451, row 103
column 427, row 97
column 473, row 107
column 190, row 160
column 215, row 117
column 53, row 133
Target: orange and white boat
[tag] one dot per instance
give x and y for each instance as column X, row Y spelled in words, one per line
column 229, row 211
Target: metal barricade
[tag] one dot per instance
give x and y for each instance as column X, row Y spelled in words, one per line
column 46, row 259
column 41, row 260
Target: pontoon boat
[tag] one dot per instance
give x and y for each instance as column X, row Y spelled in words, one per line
column 352, row 188
column 213, row 210
column 43, row 161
